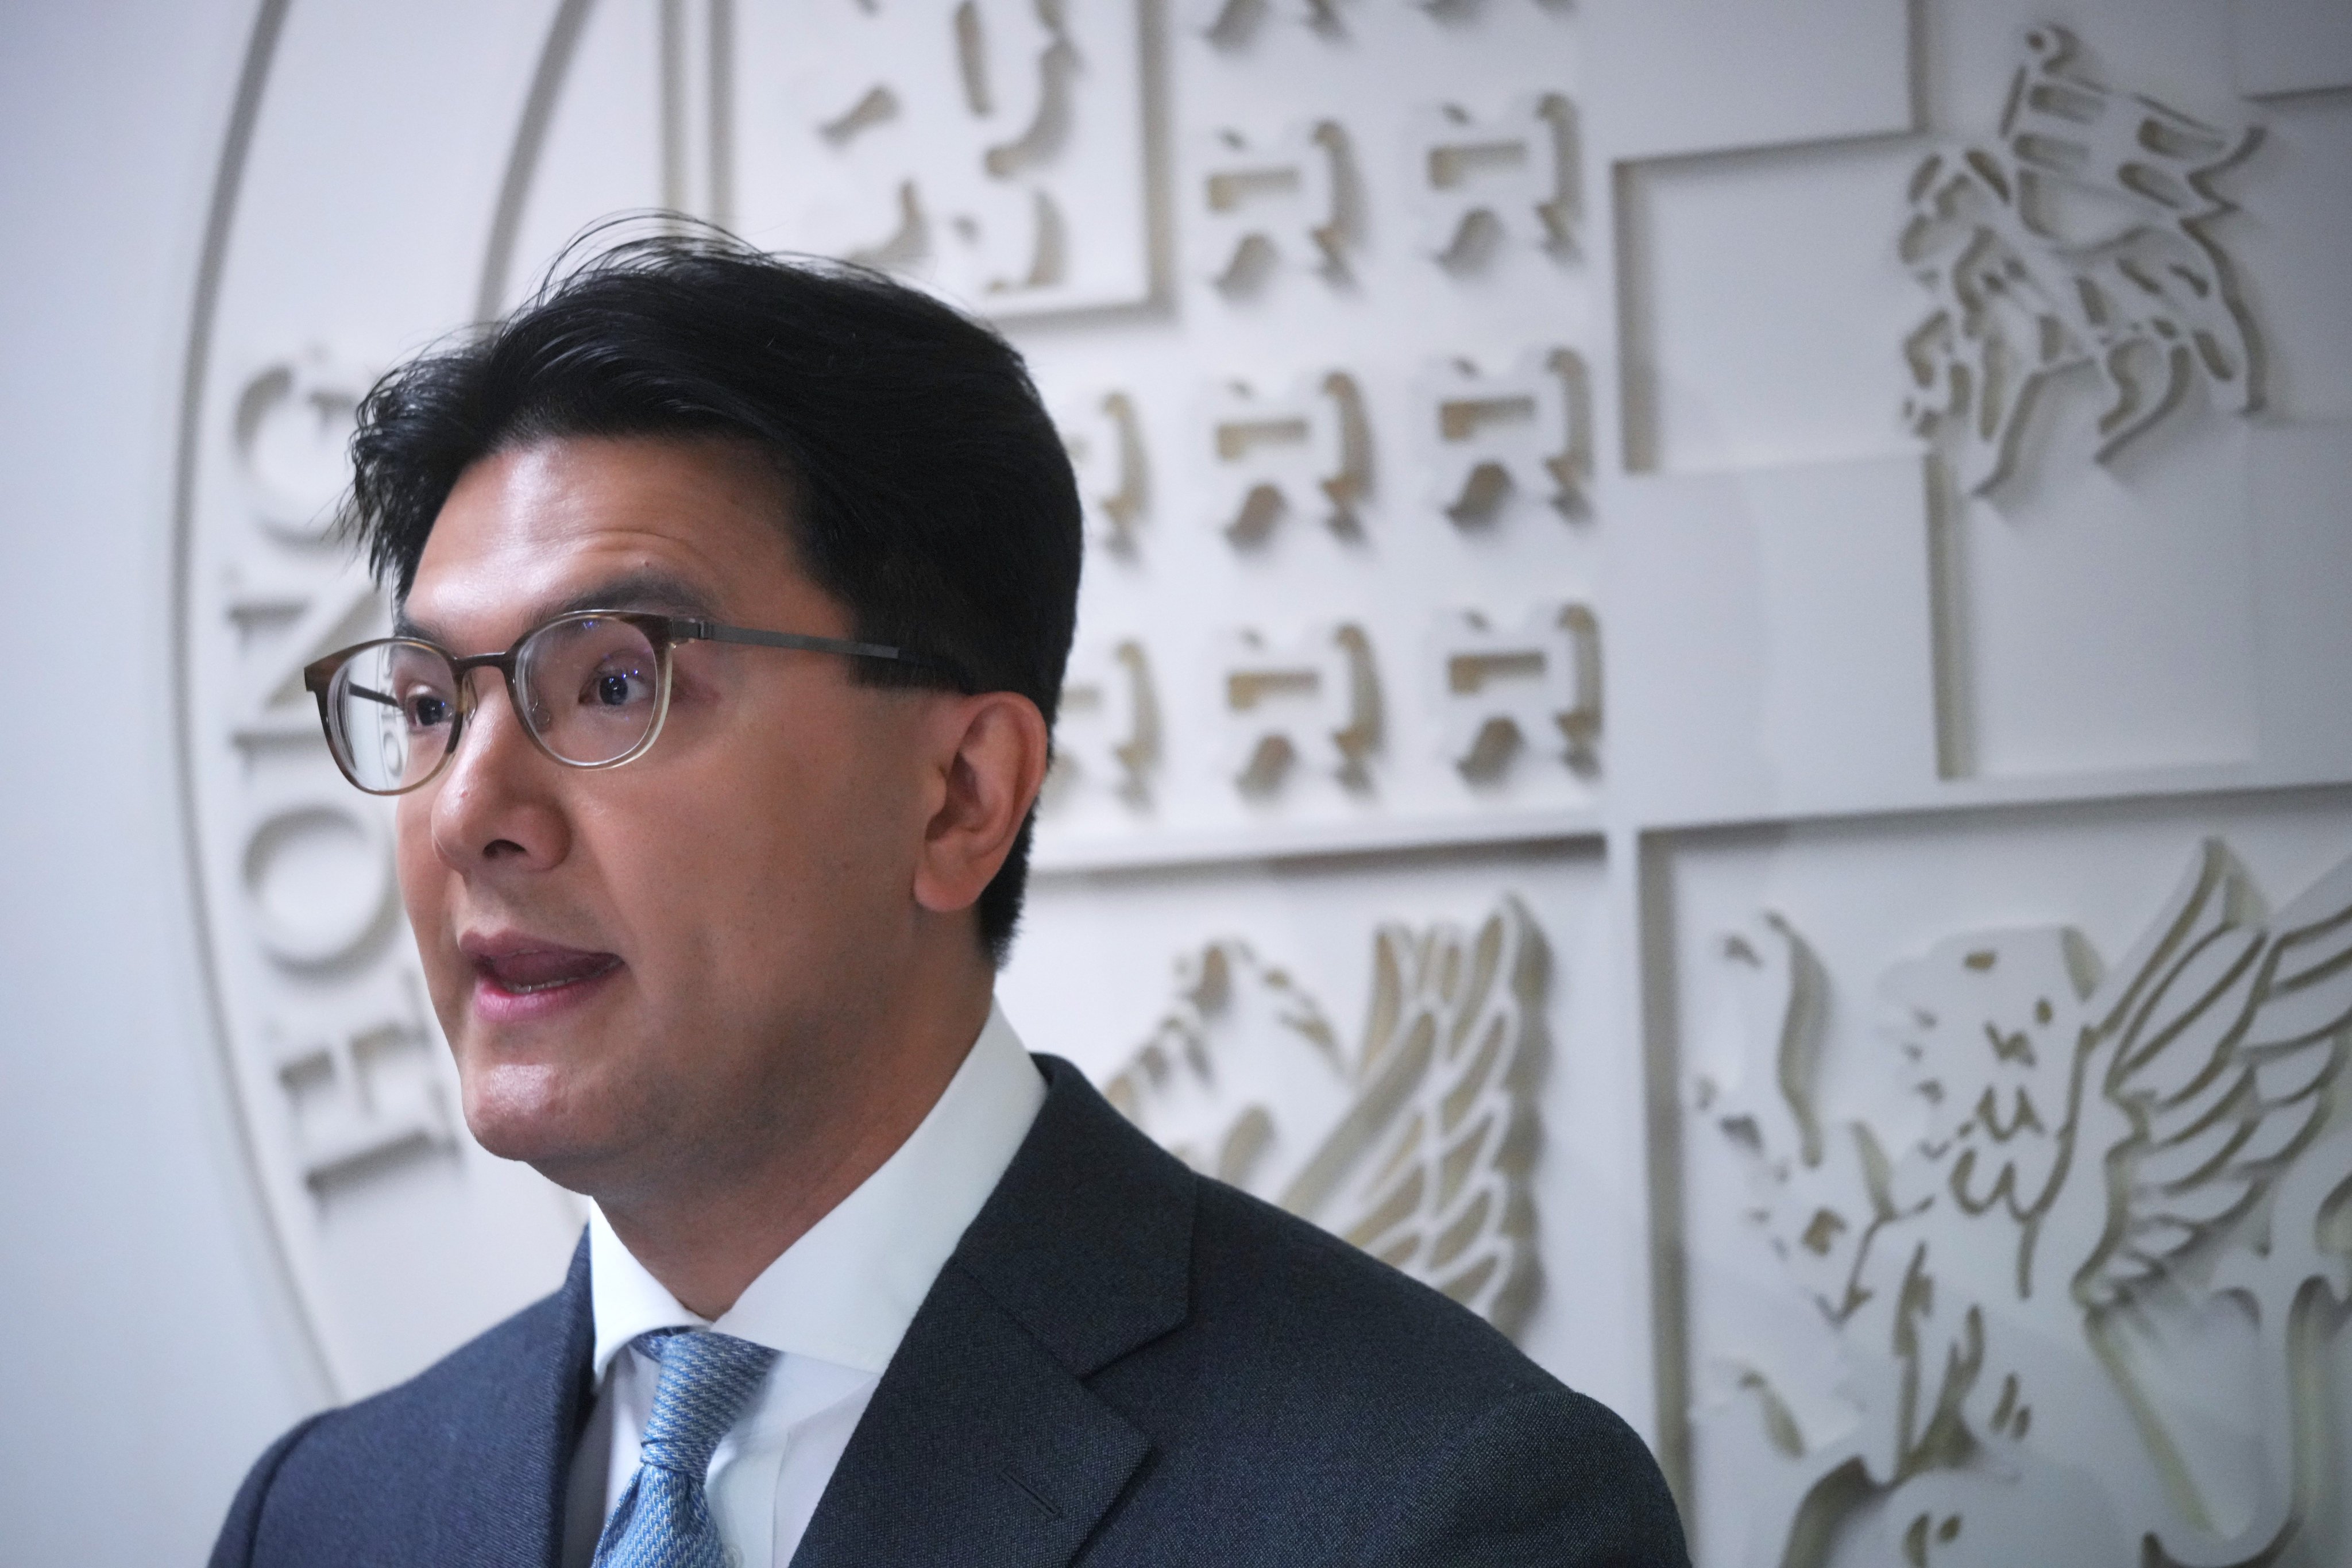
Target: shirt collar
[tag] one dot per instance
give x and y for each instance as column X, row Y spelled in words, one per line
column 846, row 1291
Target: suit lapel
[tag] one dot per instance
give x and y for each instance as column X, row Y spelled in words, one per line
column 978, row 1448
column 505, row 1496
column 983, row 1442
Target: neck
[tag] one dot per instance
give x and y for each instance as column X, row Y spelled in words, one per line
column 722, row 1217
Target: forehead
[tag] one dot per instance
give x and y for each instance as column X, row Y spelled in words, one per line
column 527, row 530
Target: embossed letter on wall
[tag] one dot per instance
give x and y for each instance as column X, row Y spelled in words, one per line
column 994, row 147
column 1312, row 701
column 1536, row 685
column 1305, row 452
column 1510, row 171
column 1268, row 201
column 366, row 1084
column 1519, row 430
column 1106, row 729
column 1105, row 440
column 291, row 424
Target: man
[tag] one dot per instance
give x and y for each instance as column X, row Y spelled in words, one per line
column 711, row 870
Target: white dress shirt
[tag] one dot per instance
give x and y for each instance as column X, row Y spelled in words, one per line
column 834, row 1305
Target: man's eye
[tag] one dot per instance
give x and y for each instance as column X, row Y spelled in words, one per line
column 618, row 687
column 427, row 711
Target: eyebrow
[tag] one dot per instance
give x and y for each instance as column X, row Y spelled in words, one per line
column 664, row 593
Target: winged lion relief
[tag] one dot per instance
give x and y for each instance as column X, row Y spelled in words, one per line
column 2085, row 1278
column 1416, row 1145
column 2081, row 238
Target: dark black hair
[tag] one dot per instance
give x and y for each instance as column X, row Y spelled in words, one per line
column 931, row 494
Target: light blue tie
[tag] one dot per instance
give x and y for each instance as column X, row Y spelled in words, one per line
column 664, row 1520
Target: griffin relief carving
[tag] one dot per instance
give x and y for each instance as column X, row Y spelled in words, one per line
column 2102, row 1165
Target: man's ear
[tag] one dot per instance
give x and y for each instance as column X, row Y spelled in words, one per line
column 991, row 751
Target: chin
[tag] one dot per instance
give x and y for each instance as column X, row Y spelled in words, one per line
column 524, row 1112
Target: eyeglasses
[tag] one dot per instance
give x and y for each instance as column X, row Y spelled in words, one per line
column 590, row 688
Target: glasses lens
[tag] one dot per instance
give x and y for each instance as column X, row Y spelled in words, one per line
column 590, row 688
column 391, row 710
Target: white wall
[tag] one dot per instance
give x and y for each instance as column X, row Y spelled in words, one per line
column 157, row 1352
column 1845, row 761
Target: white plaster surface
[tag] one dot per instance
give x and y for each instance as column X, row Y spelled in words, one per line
column 1835, row 685
column 163, row 1351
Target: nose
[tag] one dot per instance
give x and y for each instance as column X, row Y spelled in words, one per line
column 498, row 801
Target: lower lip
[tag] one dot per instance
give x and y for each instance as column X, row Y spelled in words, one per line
column 494, row 1003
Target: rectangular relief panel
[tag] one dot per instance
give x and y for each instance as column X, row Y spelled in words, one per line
column 2290, row 46
column 1777, row 646
column 1704, row 76
column 1342, row 545
column 994, row 148
column 2014, row 1157
column 1414, row 1051
column 2087, row 289
column 2287, row 241
column 1762, row 307
column 2103, row 615
column 2301, row 479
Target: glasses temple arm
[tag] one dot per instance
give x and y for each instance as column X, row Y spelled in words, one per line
column 712, row 631
column 319, row 677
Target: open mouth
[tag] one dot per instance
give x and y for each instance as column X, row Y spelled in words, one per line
column 524, row 973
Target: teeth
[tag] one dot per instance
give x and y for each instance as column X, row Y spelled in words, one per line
column 515, row 985
column 545, row 984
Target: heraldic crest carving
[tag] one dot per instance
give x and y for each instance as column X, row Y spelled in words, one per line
column 2122, row 1198
column 1417, row 1147
column 2080, row 237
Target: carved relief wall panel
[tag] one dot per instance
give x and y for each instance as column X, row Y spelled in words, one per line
column 1630, row 546
column 1404, row 1049
column 2083, row 359
column 2017, row 1165
column 1353, row 440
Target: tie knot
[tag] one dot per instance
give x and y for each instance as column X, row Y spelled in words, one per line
column 706, row 1381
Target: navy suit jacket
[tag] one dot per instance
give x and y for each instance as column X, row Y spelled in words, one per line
column 1122, row 1363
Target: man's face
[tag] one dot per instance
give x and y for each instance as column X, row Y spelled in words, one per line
column 664, row 963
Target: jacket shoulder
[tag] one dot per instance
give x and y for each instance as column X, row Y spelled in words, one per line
column 1344, row 1312
column 1362, row 1416
column 466, row 1386
column 1546, row 1476
column 405, row 1474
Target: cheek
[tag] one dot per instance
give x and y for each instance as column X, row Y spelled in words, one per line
column 424, row 894
column 421, row 873
column 753, row 870
column 768, row 854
